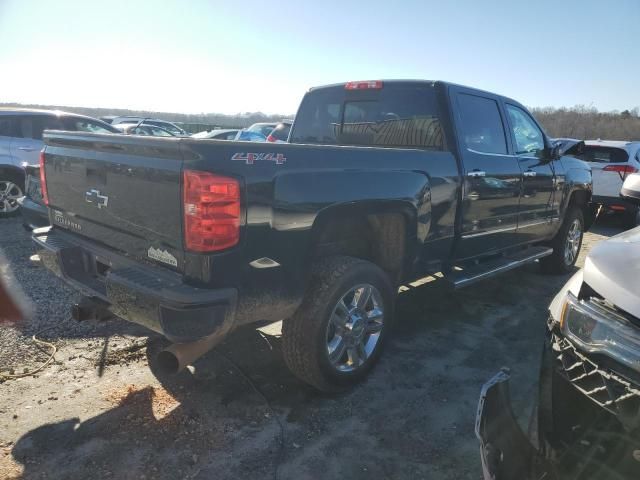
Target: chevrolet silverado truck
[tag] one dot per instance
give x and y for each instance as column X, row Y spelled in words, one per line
column 381, row 182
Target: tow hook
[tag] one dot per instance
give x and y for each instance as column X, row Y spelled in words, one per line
column 90, row 308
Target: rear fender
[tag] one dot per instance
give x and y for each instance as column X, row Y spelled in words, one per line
column 307, row 202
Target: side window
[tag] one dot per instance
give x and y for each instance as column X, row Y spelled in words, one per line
column 528, row 137
column 8, row 127
column 26, row 127
column 45, row 123
column 481, row 125
column 82, row 125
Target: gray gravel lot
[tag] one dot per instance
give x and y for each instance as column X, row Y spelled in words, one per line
column 100, row 412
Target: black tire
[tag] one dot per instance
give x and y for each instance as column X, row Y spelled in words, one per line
column 558, row 262
column 632, row 218
column 18, row 182
column 305, row 335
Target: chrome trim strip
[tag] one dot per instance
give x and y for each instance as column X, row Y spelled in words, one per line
column 491, row 154
column 489, row 232
column 533, row 224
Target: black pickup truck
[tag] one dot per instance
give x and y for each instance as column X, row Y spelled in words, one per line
column 380, row 183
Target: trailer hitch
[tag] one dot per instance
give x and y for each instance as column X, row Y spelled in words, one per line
column 91, row 308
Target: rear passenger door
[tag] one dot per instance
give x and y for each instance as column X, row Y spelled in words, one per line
column 492, row 176
column 8, row 131
column 29, row 143
column 25, row 147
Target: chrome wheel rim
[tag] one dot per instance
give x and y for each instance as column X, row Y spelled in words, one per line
column 354, row 328
column 574, row 237
column 9, row 195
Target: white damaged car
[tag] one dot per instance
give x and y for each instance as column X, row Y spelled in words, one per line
column 587, row 417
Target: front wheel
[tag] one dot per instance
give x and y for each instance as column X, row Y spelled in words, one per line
column 338, row 332
column 566, row 244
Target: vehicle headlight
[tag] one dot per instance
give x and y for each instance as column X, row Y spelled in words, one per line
column 596, row 328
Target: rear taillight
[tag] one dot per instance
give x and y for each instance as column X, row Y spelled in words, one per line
column 211, row 211
column 43, row 180
column 623, row 169
column 271, row 138
column 367, row 85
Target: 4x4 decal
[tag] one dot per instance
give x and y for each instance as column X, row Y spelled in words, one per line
column 251, row 158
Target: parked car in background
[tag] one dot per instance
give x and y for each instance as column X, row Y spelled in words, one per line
column 21, row 143
column 143, row 129
column 611, row 162
column 250, row 136
column 262, row 128
column 218, row 134
column 280, row 133
column 108, row 118
column 170, row 127
column 34, row 211
column 588, row 408
column 194, row 239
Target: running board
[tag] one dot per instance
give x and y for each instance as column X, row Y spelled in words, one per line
column 463, row 278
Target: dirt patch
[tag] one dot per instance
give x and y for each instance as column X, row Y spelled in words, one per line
column 158, row 399
column 124, row 355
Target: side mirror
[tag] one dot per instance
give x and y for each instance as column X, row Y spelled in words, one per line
column 631, row 188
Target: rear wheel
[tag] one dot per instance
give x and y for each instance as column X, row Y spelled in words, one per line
column 566, row 244
column 11, row 189
column 338, row 332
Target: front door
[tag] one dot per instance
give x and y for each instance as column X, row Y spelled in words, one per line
column 540, row 202
column 492, row 176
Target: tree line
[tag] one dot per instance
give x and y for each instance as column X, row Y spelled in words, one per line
column 587, row 123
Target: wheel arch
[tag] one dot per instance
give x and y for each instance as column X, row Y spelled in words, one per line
column 381, row 232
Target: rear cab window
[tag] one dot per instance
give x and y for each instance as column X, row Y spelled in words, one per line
column 396, row 115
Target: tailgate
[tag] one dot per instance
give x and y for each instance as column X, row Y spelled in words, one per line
column 121, row 191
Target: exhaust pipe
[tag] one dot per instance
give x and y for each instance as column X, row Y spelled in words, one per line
column 176, row 357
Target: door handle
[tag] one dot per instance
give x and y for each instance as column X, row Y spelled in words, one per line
column 26, row 149
column 473, row 196
column 476, row 173
column 529, row 173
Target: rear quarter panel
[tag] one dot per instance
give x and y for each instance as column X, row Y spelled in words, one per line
column 284, row 200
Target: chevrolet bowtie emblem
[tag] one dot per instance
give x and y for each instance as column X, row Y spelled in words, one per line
column 93, row 196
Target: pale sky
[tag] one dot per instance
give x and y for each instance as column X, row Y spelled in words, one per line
column 209, row 56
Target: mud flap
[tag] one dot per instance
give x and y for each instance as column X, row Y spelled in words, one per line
column 505, row 450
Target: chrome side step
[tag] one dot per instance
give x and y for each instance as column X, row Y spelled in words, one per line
column 463, row 278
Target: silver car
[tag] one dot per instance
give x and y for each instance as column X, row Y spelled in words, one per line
column 21, row 142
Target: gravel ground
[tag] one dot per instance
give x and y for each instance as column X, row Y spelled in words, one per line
column 99, row 411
